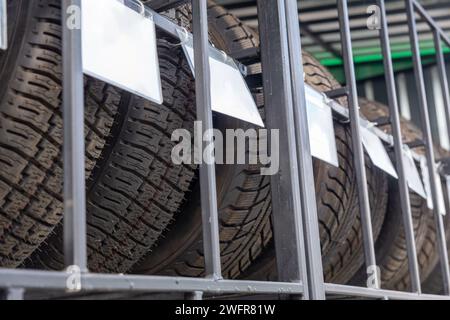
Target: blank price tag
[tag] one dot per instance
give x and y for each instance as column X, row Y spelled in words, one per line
column 412, row 174
column 3, row 25
column 119, row 47
column 427, row 183
column 229, row 92
column 321, row 129
column 377, row 152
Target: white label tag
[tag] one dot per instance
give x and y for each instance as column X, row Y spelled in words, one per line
column 3, row 25
column 321, row 129
column 377, row 152
column 412, row 174
column 119, row 47
column 229, row 92
column 427, row 183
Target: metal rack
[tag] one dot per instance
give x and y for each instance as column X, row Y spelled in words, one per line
column 294, row 206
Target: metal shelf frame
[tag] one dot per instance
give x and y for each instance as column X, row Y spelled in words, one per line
column 296, row 228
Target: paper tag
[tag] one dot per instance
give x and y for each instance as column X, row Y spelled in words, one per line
column 119, row 47
column 412, row 174
column 377, row 152
column 321, row 130
column 3, row 25
column 427, row 183
column 229, row 91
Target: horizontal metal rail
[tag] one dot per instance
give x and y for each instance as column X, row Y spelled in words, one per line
column 53, row 280
column 344, row 290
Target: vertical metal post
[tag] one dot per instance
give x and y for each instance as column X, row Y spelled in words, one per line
column 440, row 61
column 428, row 141
column 306, row 175
column 73, row 148
column 398, row 148
column 3, row 25
column 363, row 195
column 204, row 114
column 286, row 201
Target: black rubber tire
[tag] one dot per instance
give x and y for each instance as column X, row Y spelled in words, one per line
column 242, row 191
column 244, row 195
column 137, row 189
column 31, row 127
column 341, row 260
column 391, row 252
column 432, row 280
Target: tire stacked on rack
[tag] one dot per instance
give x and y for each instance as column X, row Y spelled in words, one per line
column 244, row 195
column 391, row 247
column 432, row 280
column 31, row 127
column 345, row 257
column 391, row 252
column 135, row 190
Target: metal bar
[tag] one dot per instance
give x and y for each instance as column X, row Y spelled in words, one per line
column 3, row 25
column 306, row 175
column 417, row 143
column 440, row 61
column 398, row 148
column 424, row 14
column 207, row 168
column 162, row 5
column 196, row 295
column 306, row 30
column 13, row 294
column 363, row 195
column 337, row 289
column 428, row 140
column 337, row 93
column 73, row 149
column 382, row 121
column 286, row 201
column 53, row 280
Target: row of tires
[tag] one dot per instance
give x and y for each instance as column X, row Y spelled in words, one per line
column 143, row 212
